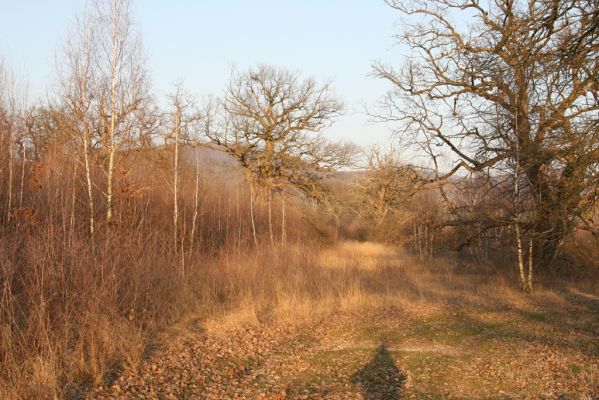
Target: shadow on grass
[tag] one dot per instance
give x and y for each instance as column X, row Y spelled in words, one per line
column 380, row 379
column 544, row 317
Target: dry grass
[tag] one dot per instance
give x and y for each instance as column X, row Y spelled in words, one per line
column 298, row 282
column 73, row 311
column 59, row 339
column 448, row 322
column 362, row 255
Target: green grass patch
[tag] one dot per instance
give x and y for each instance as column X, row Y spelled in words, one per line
column 534, row 316
column 576, row 369
column 345, row 359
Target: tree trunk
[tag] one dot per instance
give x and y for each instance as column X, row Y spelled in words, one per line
column 196, row 193
column 252, row 214
column 88, row 181
column 520, row 256
column 528, row 287
column 431, row 241
column 113, row 95
column 11, row 157
column 176, row 180
column 73, row 198
column 283, row 228
column 23, row 162
column 238, row 213
column 270, row 232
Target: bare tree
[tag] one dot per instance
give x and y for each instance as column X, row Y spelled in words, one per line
column 489, row 80
column 77, row 94
column 273, row 124
column 122, row 87
column 104, row 86
column 388, row 185
column 12, row 105
column 182, row 123
column 525, row 280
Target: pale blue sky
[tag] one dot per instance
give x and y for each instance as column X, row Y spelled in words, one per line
column 198, row 41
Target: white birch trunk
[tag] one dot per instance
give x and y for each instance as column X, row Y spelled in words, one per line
column 270, row 232
column 283, row 227
column 252, row 214
column 196, row 194
column 176, row 179
column 113, row 99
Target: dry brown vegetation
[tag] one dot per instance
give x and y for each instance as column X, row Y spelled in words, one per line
column 364, row 320
column 215, row 249
column 73, row 307
column 73, row 326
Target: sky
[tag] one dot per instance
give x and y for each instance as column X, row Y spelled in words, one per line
column 198, row 42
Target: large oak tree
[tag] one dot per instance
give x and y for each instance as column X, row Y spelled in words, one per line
column 507, row 88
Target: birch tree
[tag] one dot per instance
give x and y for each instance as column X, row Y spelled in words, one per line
column 182, row 127
column 122, row 83
column 77, row 81
column 12, row 104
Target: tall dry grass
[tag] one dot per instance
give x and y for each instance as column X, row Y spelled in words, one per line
column 299, row 283
column 74, row 309
column 80, row 316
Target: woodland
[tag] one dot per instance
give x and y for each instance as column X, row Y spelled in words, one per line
column 223, row 247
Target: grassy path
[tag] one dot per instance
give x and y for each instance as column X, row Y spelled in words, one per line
column 445, row 345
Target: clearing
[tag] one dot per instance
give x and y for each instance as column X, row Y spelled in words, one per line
column 404, row 332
